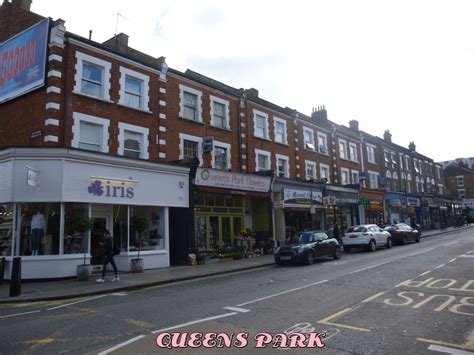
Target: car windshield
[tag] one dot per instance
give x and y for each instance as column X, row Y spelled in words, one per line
column 357, row 229
column 306, row 237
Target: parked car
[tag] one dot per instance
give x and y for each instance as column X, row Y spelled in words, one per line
column 367, row 236
column 402, row 233
column 310, row 245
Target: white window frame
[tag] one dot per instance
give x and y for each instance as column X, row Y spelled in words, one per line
column 323, row 148
column 353, row 148
column 438, row 172
column 311, row 136
column 76, row 129
column 182, row 90
column 407, row 163
column 145, row 80
column 186, row 137
column 106, row 68
column 401, row 162
column 345, row 172
column 144, row 154
column 264, row 115
column 371, row 154
column 226, row 146
column 355, row 177
column 324, row 167
column 267, row 154
column 386, row 158
column 309, row 163
column 373, row 177
column 342, row 152
column 285, row 131
column 393, row 158
column 278, row 157
column 226, row 111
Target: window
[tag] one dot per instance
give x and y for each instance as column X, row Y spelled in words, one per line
column 355, row 177
column 92, row 76
column 310, row 168
column 90, row 132
column 371, row 154
column 440, row 189
column 221, row 156
column 353, row 152
column 342, row 149
column 262, row 160
column 401, row 162
column 415, row 164
column 394, row 160
column 280, row 130
column 460, row 181
column 345, row 180
column 324, row 172
column 373, row 180
column 386, row 159
column 438, row 172
column 322, row 143
column 308, row 138
column 282, row 166
column 260, row 121
column 133, row 141
column 407, row 162
column 219, row 112
column 134, row 89
column 190, row 147
column 190, row 107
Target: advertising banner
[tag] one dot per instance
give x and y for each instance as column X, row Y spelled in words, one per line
column 229, row 180
column 23, row 61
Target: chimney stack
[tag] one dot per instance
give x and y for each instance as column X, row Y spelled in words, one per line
column 319, row 113
column 387, row 136
column 251, row 93
column 354, row 125
column 23, row 4
column 412, row 147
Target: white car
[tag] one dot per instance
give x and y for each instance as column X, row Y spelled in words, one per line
column 368, row 236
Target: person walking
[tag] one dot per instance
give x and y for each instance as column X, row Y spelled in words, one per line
column 108, row 256
column 336, row 233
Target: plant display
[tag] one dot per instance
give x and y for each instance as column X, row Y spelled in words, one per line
column 140, row 225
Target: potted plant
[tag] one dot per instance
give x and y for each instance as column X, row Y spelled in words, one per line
column 82, row 224
column 140, row 225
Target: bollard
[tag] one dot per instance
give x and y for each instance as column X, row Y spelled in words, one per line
column 2, row 271
column 15, row 280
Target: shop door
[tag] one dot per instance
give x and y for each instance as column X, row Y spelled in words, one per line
column 101, row 220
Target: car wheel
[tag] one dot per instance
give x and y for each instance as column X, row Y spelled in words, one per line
column 337, row 253
column 417, row 240
column 347, row 249
column 371, row 247
column 310, row 257
column 389, row 243
column 404, row 240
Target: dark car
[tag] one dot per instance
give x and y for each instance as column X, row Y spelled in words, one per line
column 310, row 245
column 402, row 233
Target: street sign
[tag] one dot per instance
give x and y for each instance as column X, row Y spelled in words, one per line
column 313, row 210
column 207, row 144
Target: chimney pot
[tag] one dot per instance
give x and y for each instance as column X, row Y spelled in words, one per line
column 354, row 125
column 387, row 136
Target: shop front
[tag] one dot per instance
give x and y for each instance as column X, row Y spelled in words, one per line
column 342, row 207
column 371, row 206
column 229, row 206
column 396, row 208
column 297, row 205
column 48, row 191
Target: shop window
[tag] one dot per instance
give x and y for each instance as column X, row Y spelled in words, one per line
column 6, row 229
column 220, row 200
column 39, row 228
column 154, row 237
column 120, row 228
column 74, row 242
column 209, row 199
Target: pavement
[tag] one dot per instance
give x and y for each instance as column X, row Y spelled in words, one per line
column 34, row 291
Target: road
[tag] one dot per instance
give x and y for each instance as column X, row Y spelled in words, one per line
column 416, row 299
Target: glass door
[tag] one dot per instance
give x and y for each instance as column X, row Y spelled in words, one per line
column 99, row 225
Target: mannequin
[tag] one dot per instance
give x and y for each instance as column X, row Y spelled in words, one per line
column 38, row 225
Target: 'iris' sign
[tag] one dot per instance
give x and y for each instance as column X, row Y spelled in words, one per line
column 96, row 188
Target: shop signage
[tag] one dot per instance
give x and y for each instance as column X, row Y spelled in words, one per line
column 110, row 189
column 31, row 176
column 278, row 204
column 395, row 202
column 23, row 61
column 329, row 200
column 229, row 180
column 413, row 202
column 36, row 134
column 207, row 144
column 302, row 197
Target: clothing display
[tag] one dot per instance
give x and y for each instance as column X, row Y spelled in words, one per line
column 38, row 225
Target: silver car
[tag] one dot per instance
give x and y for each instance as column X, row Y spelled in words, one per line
column 367, row 236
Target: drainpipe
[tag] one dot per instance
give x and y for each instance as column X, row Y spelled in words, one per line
column 192, row 188
column 239, row 129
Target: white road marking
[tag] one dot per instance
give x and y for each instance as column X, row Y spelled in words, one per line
column 367, row 268
column 469, row 252
column 70, row 304
column 121, row 345
column 19, row 314
column 423, row 251
column 194, row 322
column 440, row 266
column 466, row 256
column 444, row 349
column 452, row 260
column 425, row 273
column 237, row 309
column 119, row 294
column 28, row 304
column 282, row 293
column 451, row 243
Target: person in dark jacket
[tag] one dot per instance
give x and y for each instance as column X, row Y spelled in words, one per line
column 336, row 233
column 108, row 256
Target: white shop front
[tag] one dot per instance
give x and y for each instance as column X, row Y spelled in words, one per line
column 44, row 190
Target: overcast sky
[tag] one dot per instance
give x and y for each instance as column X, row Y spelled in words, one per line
column 406, row 66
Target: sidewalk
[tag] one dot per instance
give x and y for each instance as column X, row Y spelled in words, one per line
column 53, row 290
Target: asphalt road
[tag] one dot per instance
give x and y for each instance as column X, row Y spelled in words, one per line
column 416, row 299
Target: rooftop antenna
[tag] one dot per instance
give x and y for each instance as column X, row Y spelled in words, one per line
column 116, row 23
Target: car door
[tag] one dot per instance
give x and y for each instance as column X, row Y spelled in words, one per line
column 323, row 244
column 378, row 235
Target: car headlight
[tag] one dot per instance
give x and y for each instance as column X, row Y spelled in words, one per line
column 300, row 249
column 277, row 249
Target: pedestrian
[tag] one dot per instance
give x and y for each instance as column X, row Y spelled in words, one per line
column 108, row 256
column 336, row 233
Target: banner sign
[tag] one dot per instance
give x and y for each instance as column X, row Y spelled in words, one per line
column 23, row 61
column 302, row 197
column 229, row 180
